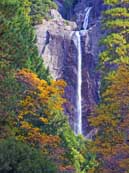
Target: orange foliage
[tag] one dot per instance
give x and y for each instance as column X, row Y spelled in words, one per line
column 40, row 101
column 112, row 121
column 40, row 98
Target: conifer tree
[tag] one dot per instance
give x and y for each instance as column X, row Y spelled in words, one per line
column 18, row 50
column 116, row 41
column 40, row 9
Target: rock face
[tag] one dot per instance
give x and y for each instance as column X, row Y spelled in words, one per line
column 55, row 45
column 55, row 40
column 89, row 75
column 79, row 11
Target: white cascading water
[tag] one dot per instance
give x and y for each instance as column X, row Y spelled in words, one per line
column 78, row 123
column 79, row 85
column 86, row 19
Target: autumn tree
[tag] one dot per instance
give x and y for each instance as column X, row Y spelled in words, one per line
column 39, row 105
column 112, row 114
column 40, row 99
column 112, row 119
column 18, row 50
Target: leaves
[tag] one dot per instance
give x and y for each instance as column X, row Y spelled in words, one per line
column 40, row 9
column 111, row 116
column 18, row 157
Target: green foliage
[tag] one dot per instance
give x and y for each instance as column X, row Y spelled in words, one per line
column 40, row 9
column 116, row 47
column 57, row 124
column 78, row 151
column 112, row 114
column 115, row 2
column 17, row 36
column 18, row 50
column 6, row 2
column 118, row 12
column 9, row 96
column 18, row 157
column 32, row 108
column 111, row 120
column 115, row 43
column 117, row 24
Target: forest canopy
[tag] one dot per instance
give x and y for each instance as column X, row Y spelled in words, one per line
column 34, row 131
column 35, row 134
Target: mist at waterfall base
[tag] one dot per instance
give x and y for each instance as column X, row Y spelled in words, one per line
column 77, row 40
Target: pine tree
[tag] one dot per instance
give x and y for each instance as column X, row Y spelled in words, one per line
column 40, row 9
column 18, row 50
column 116, row 41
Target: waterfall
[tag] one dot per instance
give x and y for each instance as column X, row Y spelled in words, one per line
column 86, row 19
column 79, row 84
column 77, row 40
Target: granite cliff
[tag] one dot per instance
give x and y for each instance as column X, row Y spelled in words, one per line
column 55, row 40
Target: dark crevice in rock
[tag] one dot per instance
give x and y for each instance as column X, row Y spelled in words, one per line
column 46, row 42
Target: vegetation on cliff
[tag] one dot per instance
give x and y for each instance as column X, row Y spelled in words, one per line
column 39, row 9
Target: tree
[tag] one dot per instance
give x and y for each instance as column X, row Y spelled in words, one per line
column 18, row 39
column 116, row 41
column 18, row 50
column 18, row 157
column 40, row 9
column 111, row 116
column 17, row 36
column 39, row 104
column 9, row 96
column 40, row 99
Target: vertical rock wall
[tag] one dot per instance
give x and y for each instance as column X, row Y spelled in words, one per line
column 56, row 46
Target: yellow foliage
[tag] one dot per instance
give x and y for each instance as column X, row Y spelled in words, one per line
column 40, row 100
column 44, row 120
column 26, row 125
column 111, row 118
